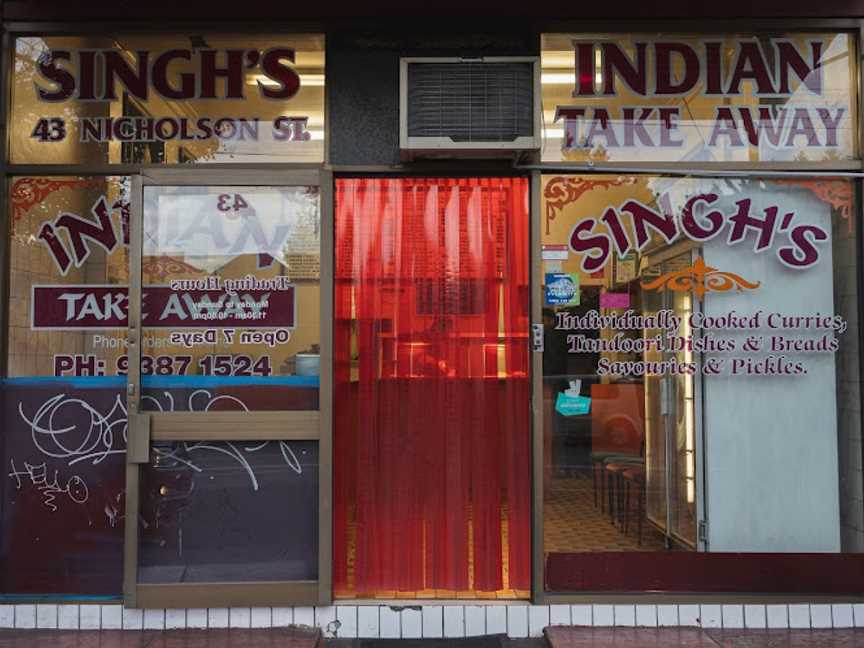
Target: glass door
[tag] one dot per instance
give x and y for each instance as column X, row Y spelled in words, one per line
column 226, row 394
column 618, row 412
column 671, row 426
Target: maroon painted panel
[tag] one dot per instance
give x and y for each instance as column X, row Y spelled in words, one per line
column 679, row 571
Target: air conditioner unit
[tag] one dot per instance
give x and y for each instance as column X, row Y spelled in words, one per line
column 485, row 107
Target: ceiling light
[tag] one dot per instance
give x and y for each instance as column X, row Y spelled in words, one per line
column 558, row 78
column 307, row 80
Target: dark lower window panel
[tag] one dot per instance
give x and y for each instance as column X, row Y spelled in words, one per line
column 810, row 573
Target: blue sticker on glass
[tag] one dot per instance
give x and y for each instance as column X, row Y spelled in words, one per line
column 569, row 405
column 562, row 289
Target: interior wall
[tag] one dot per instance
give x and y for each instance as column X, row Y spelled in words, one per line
column 771, row 460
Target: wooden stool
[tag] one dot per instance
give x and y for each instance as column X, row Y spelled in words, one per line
column 635, row 476
column 614, row 471
column 598, row 477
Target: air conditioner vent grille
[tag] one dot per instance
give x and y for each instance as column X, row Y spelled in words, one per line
column 471, row 102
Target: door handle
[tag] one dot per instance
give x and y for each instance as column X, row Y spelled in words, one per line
column 138, row 438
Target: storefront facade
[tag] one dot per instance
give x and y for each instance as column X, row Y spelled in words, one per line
column 451, row 331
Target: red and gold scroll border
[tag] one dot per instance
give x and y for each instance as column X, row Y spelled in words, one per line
column 27, row 192
column 560, row 191
column 838, row 193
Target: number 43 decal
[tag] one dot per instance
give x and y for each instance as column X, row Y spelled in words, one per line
column 227, row 202
column 49, row 130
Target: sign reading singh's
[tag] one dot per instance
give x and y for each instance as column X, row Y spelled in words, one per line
column 712, row 98
column 208, row 80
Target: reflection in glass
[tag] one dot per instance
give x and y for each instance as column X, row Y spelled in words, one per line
column 231, row 299
column 733, row 401
column 67, row 254
column 688, row 122
column 143, row 116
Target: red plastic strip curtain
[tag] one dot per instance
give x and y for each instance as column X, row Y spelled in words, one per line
column 431, row 455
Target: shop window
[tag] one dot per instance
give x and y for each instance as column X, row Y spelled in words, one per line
column 699, row 99
column 168, row 99
column 63, row 399
column 231, row 322
column 701, row 383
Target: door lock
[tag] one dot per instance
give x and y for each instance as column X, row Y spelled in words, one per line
column 537, row 338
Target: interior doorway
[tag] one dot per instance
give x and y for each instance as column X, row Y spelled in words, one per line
column 432, row 476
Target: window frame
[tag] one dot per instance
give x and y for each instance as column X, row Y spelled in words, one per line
column 852, row 169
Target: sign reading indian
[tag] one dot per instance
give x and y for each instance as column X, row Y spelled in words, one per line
column 712, row 98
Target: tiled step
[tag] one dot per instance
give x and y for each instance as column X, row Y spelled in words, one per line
column 573, row 637
column 429, row 621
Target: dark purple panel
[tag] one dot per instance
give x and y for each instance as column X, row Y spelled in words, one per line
column 63, row 488
column 63, row 496
column 230, row 511
column 679, row 571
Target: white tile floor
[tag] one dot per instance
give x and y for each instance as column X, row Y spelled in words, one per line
column 517, row 620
